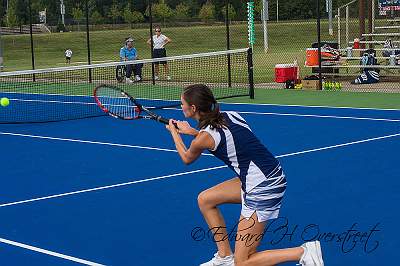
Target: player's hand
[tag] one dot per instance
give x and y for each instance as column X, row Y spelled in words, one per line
column 185, row 128
column 171, row 126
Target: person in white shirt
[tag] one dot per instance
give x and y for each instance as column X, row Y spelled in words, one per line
column 159, row 42
column 68, row 55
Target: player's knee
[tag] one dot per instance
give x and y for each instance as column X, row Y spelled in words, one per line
column 241, row 261
column 203, row 200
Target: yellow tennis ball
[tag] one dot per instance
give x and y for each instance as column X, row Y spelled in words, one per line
column 4, row 102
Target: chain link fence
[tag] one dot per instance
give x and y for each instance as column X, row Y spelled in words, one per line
column 95, row 30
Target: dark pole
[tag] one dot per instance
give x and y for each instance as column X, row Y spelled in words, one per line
column 151, row 42
column 370, row 22
column 30, row 32
column 361, row 9
column 250, row 71
column 88, row 40
column 228, row 46
column 319, row 45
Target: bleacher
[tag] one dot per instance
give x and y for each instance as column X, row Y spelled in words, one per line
column 36, row 29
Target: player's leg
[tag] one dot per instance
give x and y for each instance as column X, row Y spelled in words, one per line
column 156, row 70
column 166, row 70
column 208, row 200
column 138, row 71
column 250, row 233
column 128, row 73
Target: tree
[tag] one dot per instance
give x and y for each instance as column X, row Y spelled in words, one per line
column 137, row 17
column 162, row 11
column 182, row 11
column 77, row 14
column 11, row 17
column 231, row 12
column 22, row 12
column 132, row 16
column 96, row 18
column 114, row 13
column 207, row 12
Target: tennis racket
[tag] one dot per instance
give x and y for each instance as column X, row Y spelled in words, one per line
column 119, row 104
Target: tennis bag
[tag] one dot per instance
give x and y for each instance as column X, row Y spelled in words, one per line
column 120, row 73
column 368, row 75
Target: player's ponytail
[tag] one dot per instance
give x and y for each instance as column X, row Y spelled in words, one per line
column 202, row 97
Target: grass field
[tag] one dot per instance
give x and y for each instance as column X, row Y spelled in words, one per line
column 287, row 41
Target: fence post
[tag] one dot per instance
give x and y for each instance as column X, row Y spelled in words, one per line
column 31, row 37
column 250, row 70
column 228, row 46
column 88, row 40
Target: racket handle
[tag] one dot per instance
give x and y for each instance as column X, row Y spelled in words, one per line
column 165, row 121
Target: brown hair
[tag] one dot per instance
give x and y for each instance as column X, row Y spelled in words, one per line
column 202, row 97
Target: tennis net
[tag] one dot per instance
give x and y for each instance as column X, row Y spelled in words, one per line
column 65, row 93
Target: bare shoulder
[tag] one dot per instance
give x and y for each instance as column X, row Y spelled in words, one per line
column 203, row 141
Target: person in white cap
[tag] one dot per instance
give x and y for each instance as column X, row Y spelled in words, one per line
column 129, row 53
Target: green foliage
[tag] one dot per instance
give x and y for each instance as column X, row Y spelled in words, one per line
column 231, row 12
column 207, row 12
column 22, row 12
column 162, row 11
column 77, row 14
column 182, row 11
column 137, row 17
column 96, row 18
column 114, row 12
column 132, row 17
column 11, row 17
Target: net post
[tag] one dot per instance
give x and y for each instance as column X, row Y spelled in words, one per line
column 228, row 46
column 250, row 72
column 88, row 40
column 31, row 37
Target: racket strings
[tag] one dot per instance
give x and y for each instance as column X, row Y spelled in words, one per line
column 117, row 103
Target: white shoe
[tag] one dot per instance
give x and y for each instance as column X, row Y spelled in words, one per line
column 137, row 78
column 312, row 255
column 128, row 80
column 218, row 261
column 156, row 77
column 168, row 77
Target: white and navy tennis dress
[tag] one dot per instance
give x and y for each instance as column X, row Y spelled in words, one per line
column 262, row 177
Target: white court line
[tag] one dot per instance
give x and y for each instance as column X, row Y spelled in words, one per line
column 112, row 186
column 191, row 172
column 48, row 252
column 339, row 145
column 93, row 142
column 306, row 115
column 315, row 106
column 325, row 116
column 248, row 112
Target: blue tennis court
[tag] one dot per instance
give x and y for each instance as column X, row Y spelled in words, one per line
column 101, row 191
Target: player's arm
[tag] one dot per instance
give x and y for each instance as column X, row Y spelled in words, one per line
column 149, row 41
column 122, row 54
column 167, row 40
column 188, row 155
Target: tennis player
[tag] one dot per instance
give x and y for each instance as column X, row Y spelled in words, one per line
column 159, row 42
column 259, row 186
column 128, row 53
column 68, row 55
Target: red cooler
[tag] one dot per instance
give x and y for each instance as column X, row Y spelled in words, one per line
column 285, row 72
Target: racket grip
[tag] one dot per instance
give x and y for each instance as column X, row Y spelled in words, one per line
column 165, row 121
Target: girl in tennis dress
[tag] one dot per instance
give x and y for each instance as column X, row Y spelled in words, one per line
column 259, row 185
